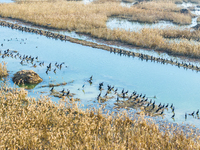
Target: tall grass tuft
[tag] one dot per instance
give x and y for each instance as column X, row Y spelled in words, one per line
column 3, row 70
column 27, row 123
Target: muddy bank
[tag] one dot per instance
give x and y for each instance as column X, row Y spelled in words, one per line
column 99, row 46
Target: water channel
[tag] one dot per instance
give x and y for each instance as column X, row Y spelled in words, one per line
column 162, row 83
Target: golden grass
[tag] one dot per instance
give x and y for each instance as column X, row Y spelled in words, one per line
column 27, row 123
column 176, row 1
column 153, row 16
column 198, row 19
column 105, row 1
column 63, row 12
column 91, row 19
column 159, row 6
column 3, row 69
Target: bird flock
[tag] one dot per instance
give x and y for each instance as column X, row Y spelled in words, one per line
column 123, row 99
column 103, row 47
column 34, row 61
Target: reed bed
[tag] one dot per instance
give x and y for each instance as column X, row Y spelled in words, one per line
column 3, row 70
column 174, row 1
column 198, row 19
column 178, row 33
column 153, row 16
column 167, row 6
column 63, row 12
column 27, row 123
column 91, row 19
column 105, row 1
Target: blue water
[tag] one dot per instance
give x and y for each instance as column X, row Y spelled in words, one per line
column 168, row 83
column 6, row 1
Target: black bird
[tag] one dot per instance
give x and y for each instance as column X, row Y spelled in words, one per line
column 63, row 91
column 140, row 95
column 158, row 109
column 105, row 94
column 153, row 106
column 49, row 66
column 60, row 66
column 32, row 59
column 91, row 77
column 173, row 115
column 123, row 91
column 68, row 92
column 101, row 84
column 162, row 112
column 123, row 94
column 52, row 89
column 117, row 99
column 54, row 70
column 109, row 87
column 192, row 114
column 185, row 115
column 134, row 93
column 126, row 92
column 99, row 95
column 100, row 87
column 167, row 105
column 171, row 105
column 163, row 106
column 173, row 109
column 197, row 113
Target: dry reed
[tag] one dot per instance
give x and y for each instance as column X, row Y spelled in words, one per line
column 91, row 19
column 198, row 19
column 3, row 69
column 27, row 123
column 167, row 6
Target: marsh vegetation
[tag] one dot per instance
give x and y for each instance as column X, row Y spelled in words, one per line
column 40, row 123
column 3, row 70
column 91, row 20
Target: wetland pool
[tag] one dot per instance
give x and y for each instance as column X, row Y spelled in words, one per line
column 163, row 83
